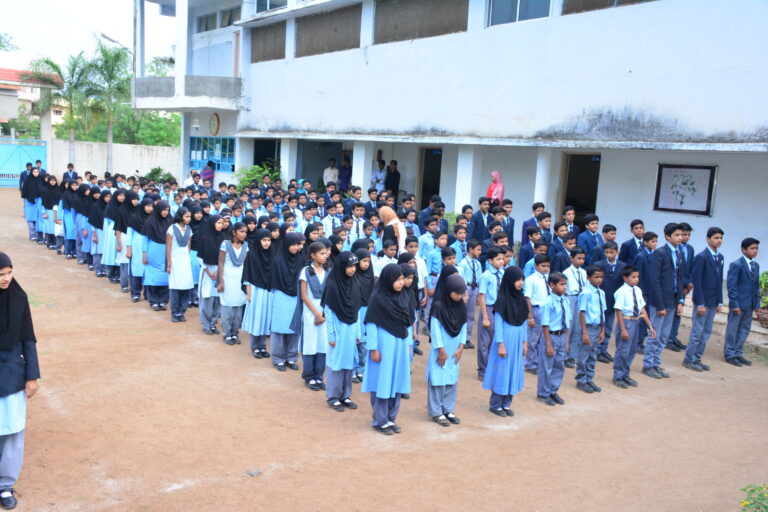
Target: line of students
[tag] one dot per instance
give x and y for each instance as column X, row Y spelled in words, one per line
column 354, row 312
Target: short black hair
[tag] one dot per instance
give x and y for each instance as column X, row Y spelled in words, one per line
column 439, row 233
column 556, row 277
column 671, row 228
column 608, row 228
column 541, row 258
column 411, row 239
column 447, row 252
column 590, row 217
column 559, row 224
column 483, row 199
column 430, row 220
column 569, row 236
column 611, row 245
column 499, row 235
column 568, row 208
column 628, row 270
column 539, row 243
column 577, row 250
column 714, row 231
column 685, row 226
column 543, row 215
column 435, row 199
column 459, row 227
column 537, row 205
column 494, row 251
column 531, row 230
column 649, row 235
column 593, row 269
column 749, row 241
column 506, row 202
column 636, row 222
column 473, row 243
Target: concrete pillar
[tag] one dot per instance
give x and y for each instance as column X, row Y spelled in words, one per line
column 46, row 134
column 543, row 172
column 363, row 154
column 138, row 39
column 556, row 8
column 478, row 15
column 469, row 164
column 366, row 23
column 247, row 9
column 290, row 38
column 183, row 171
column 243, row 153
column 289, row 159
column 182, row 45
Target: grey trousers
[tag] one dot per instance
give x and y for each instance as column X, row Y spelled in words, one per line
column 384, row 409
column 535, row 337
column 500, row 401
column 441, row 399
column 626, row 350
column 736, row 332
column 32, row 230
column 125, row 274
column 338, row 384
column 231, row 320
column 586, row 355
column 575, row 339
column 210, row 310
column 97, row 266
column 484, row 341
column 551, row 368
column 471, row 306
column 701, row 330
column 654, row 346
column 285, row 348
column 258, row 342
column 11, row 458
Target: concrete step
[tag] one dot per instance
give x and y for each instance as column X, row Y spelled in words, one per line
column 758, row 337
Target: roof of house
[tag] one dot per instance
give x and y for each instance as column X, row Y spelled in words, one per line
column 20, row 77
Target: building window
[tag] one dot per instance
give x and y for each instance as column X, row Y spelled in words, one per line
column 403, row 20
column 57, row 112
column 268, row 42
column 509, row 11
column 220, row 150
column 268, row 5
column 206, row 23
column 230, row 16
column 327, row 32
column 574, row 6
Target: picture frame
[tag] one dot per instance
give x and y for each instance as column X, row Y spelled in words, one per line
column 688, row 189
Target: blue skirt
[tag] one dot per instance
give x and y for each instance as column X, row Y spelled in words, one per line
column 48, row 223
column 88, row 238
column 195, row 267
column 109, row 244
column 95, row 246
column 154, row 271
column 285, row 307
column 40, row 220
column 258, row 313
column 70, row 228
column 505, row 375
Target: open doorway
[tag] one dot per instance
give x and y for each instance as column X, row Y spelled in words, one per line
column 431, row 162
column 581, row 184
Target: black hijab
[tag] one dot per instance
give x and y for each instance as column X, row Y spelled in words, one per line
column 264, row 219
column 251, row 237
column 360, row 243
column 114, row 206
column 341, row 293
column 51, row 196
column 33, row 187
column 127, row 210
column 364, row 278
column 210, row 241
column 258, row 263
column 386, row 307
column 15, row 316
column 445, row 272
column 510, row 303
column 155, row 227
column 452, row 315
column 283, row 229
column 197, row 227
column 68, row 196
column 410, row 293
column 96, row 218
column 286, row 266
column 83, row 198
column 335, row 239
column 139, row 217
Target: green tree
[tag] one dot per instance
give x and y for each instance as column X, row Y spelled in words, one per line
column 72, row 83
column 160, row 66
column 6, row 43
column 111, row 86
column 25, row 127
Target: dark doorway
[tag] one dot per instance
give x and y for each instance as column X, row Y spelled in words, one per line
column 581, row 184
column 264, row 149
column 431, row 162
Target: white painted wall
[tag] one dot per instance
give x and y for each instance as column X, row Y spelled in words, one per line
column 92, row 156
column 665, row 70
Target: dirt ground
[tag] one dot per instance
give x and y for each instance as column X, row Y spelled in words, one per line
column 136, row 413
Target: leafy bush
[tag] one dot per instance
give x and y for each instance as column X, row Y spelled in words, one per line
column 158, row 175
column 764, row 289
column 756, row 499
column 246, row 175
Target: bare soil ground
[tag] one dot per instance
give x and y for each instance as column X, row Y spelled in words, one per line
column 135, row 413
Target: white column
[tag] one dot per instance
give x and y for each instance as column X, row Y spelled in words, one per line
column 138, row 39
column 183, row 171
column 182, row 45
column 366, row 23
column 469, row 164
column 247, row 9
column 543, row 178
column 243, row 153
column 362, row 164
column 556, row 8
column 289, row 159
column 46, row 134
column 290, row 38
column 478, row 15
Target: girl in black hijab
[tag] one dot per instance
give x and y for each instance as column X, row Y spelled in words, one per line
column 51, row 197
column 448, row 329
column 263, row 221
column 96, row 220
column 128, row 208
column 336, row 245
column 155, row 275
column 135, row 243
column 32, row 192
column 257, row 282
column 250, row 222
column 109, row 237
column 504, row 372
column 198, row 218
column 387, row 368
column 286, row 316
column 365, row 281
column 341, row 303
column 19, row 371
column 83, row 207
column 212, row 236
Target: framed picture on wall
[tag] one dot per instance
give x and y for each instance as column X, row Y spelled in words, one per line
column 685, row 189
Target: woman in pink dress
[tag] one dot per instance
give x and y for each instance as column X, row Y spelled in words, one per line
column 496, row 190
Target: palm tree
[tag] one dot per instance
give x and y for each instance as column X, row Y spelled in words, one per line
column 71, row 84
column 111, row 85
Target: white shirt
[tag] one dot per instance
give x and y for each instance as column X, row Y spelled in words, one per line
column 381, row 263
column 377, row 179
column 421, row 268
column 625, row 301
column 535, row 288
column 573, row 277
column 331, row 174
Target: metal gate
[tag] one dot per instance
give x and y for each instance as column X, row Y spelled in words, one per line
column 14, row 154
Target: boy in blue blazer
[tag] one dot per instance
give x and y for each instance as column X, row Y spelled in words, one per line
column 569, row 215
column 642, row 262
column 537, row 208
column 707, row 279
column 634, row 245
column 743, row 298
column 532, row 235
column 674, row 343
column 612, row 269
column 590, row 238
column 667, row 281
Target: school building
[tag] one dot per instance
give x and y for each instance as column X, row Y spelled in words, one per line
column 583, row 102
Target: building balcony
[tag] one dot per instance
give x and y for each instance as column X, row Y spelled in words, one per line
column 190, row 92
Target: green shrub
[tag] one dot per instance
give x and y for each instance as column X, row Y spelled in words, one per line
column 159, row 175
column 246, row 175
column 756, row 499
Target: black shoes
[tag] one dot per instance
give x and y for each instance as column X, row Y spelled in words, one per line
column 660, row 371
column 155, row 307
column 652, row 373
column 311, row 384
column 545, row 400
column 349, row 404
column 671, row 345
column 162, row 306
column 469, row 345
column 679, row 344
column 603, row 357
column 7, row 499
column 417, row 351
column 443, row 421
column 621, row 383
column 453, row 419
column 256, row 352
column 693, row 366
column 280, row 367
column 134, row 298
column 632, row 382
column 595, row 387
column 570, row 363
column 704, row 367
column 176, row 319
column 499, row 412
column 557, row 399
column 585, row 387
column 745, row 362
column 292, row 366
column 336, row 405
column 208, row 332
column 386, row 430
column 230, row 340
column 734, row 361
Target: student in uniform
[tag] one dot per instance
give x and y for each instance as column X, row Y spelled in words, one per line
column 109, row 236
column 129, row 206
column 562, row 260
column 612, row 269
column 96, row 221
column 630, row 310
column 630, row 248
column 707, row 280
column 504, row 375
column 388, row 257
column 365, row 281
column 536, row 209
column 569, row 215
column 488, row 288
column 674, row 343
column 460, row 244
column 591, row 318
column 232, row 254
column 471, row 271
column 153, row 256
column 532, row 235
column 536, row 291
column 341, row 303
column 387, row 368
column 545, row 223
column 50, row 200
column 258, row 308
column 642, row 263
column 198, row 219
column 609, row 235
column 134, row 241
column 555, row 322
column 286, row 319
column 448, row 328
column 210, row 306
column 19, row 372
column 590, row 238
column 743, row 298
column 576, row 280
column 313, row 343
column 67, row 212
column 179, row 264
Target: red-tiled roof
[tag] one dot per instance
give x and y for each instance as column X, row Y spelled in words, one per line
column 19, row 77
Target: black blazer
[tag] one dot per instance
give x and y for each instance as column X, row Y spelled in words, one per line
column 17, row 366
column 707, row 279
column 628, row 251
column 662, row 294
column 612, row 281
